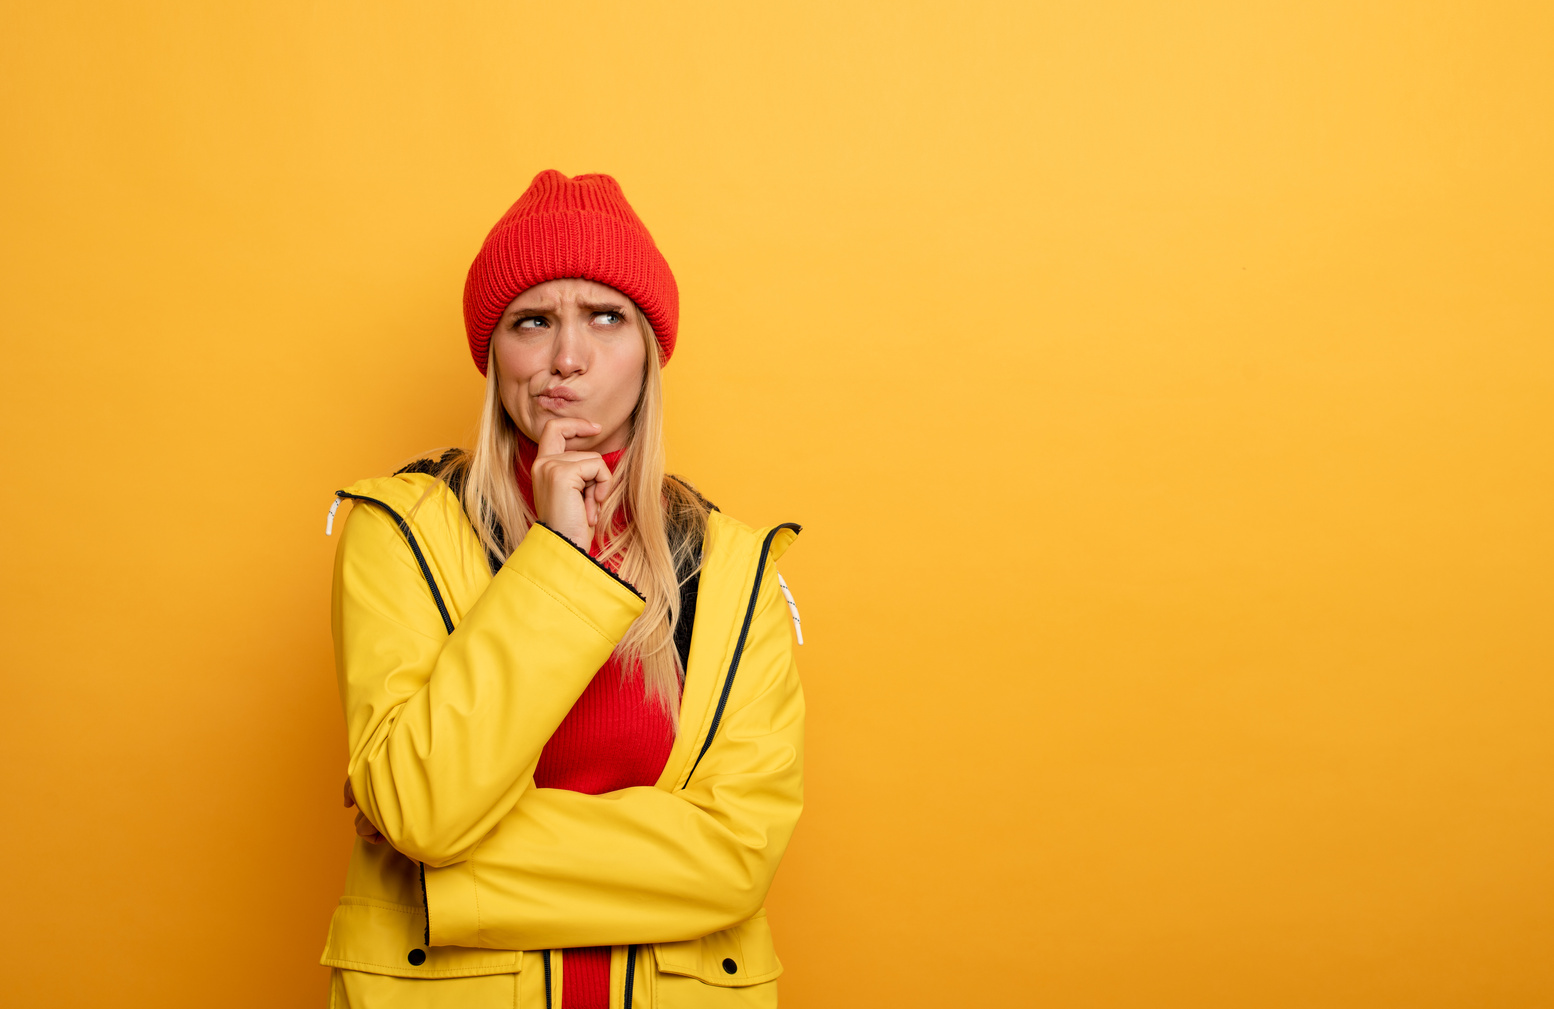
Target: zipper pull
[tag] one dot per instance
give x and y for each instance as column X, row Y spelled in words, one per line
column 793, row 607
column 329, row 523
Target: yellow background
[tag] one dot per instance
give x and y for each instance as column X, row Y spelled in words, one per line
column 1165, row 389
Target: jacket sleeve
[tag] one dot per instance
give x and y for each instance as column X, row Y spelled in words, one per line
column 445, row 730
column 645, row 864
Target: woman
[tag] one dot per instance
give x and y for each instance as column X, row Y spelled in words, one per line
column 574, row 719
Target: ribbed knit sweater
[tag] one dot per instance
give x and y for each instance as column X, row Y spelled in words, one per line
column 613, row 738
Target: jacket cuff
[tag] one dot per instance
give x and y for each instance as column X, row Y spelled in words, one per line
column 452, row 912
column 590, row 590
column 593, row 560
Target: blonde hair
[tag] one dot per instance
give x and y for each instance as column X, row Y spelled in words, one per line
column 658, row 547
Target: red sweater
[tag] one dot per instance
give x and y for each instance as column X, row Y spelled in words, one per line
column 612, row 738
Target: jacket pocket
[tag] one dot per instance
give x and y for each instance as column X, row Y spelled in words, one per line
column 352, row 989
column 379, row 937
column 735, row 967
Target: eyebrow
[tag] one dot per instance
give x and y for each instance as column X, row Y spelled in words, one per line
column 550, row 308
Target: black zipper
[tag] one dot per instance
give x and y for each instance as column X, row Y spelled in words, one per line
column 546, row 955
column 447, row 622
column 427, row 905
column 631, row 971
column 415, row 548
column 739, row 646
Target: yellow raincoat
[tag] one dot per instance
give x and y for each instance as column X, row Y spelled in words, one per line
column 452, row 682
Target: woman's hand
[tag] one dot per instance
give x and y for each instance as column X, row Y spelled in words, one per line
column 569, row 487
column 364, row 827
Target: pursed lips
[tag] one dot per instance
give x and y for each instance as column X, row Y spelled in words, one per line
column 556, row 398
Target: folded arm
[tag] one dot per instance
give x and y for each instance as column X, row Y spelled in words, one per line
column 444, row 730
column 646, row 864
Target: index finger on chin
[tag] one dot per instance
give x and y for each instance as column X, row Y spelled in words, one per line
column 554, row 435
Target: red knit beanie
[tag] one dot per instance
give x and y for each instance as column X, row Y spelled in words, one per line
column 561, row 227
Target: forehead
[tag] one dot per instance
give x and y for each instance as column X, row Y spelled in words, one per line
column 570, row 291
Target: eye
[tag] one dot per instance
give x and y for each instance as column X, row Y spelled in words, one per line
column 610, row 318
column 529, row 322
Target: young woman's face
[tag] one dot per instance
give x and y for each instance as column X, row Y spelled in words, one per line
column 571, row 348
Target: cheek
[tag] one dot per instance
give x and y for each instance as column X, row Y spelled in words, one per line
column 514, row 369
column 517, row 362
column 508, row 357
column 626, row 376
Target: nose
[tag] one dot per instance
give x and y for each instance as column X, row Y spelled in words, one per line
column 571, row 349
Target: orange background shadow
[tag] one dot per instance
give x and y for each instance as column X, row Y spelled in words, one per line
column 1165, row 389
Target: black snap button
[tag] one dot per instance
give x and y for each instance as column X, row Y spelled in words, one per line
column 730, row 967
column 417, row 957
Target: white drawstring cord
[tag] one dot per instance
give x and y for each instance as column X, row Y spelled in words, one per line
column 329, row 523
column 793, row 607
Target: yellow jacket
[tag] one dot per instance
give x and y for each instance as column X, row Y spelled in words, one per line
column 453, row 680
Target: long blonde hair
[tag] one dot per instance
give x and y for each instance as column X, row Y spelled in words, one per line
column 658, row 547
